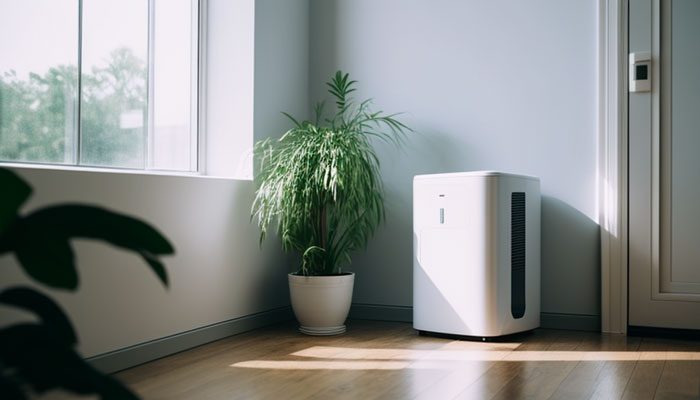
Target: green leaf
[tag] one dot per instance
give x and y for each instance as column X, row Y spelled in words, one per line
column 47, row 257
column 15, row 192
column 98, row 223
column 156, row 266
column 340, row 88
column 41, row 241
column 11, row 390
column 292, row 119
column 46, row 309
column 33, row 353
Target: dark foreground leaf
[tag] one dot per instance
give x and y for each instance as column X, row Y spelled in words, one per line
column 46, row 309
column 41, row 241
column 15, row 191
column 32, row 354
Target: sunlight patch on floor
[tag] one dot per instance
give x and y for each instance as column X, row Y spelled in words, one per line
column 350, row 353
column 302, row 365
column 356, row 358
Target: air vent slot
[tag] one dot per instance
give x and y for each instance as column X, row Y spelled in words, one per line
column 517, row 254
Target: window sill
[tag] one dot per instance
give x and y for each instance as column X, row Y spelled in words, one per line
column 118, row 171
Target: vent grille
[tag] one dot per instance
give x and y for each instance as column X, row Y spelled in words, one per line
column 517, row 254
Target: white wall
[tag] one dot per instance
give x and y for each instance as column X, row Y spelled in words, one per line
column 219, row 271
column 281, row 64
column 230, row 72
column 488, row 85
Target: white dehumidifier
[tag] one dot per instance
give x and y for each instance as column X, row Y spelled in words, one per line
column 476, row 253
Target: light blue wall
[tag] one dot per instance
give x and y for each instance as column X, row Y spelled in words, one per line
column 487, row 85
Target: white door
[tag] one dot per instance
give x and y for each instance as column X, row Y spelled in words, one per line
column 664, row 167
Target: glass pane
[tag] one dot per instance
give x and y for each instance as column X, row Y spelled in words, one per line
column 114, row 93
column 38, row 80
column 173, row 78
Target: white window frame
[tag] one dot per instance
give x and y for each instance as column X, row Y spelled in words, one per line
column 225, row 112
column 197, row 162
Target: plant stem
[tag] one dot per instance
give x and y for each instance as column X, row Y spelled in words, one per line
column 323, row 230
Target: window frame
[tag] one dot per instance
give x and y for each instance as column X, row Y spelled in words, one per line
column 197, row 107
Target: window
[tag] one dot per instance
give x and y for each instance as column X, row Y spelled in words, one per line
column 109, row 83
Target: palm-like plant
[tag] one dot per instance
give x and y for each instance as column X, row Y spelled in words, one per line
column 319, row 183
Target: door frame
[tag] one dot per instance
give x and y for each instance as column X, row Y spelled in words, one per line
column 613, row 163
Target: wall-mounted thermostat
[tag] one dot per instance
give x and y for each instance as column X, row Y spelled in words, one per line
column 640, row 72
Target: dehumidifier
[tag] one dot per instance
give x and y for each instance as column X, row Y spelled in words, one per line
column 476, row 253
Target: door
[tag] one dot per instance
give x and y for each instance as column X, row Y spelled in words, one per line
column 664, row 167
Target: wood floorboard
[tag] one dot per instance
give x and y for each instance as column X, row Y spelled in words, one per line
column 647, row 371
column 597, row 379
column 388, row 360
column 580, row 383
column 644, row 380
column 491, row 382
column 613, row 380
column 535, row 380
column 679, row 380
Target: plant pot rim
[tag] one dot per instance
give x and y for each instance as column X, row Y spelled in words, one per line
column 321, row 276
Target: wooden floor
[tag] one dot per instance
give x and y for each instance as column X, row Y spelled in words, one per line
column 381, row 360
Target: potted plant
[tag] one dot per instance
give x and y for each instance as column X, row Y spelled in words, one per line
column 319, row 186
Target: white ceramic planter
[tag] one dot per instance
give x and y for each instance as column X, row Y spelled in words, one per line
column 321, row 303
